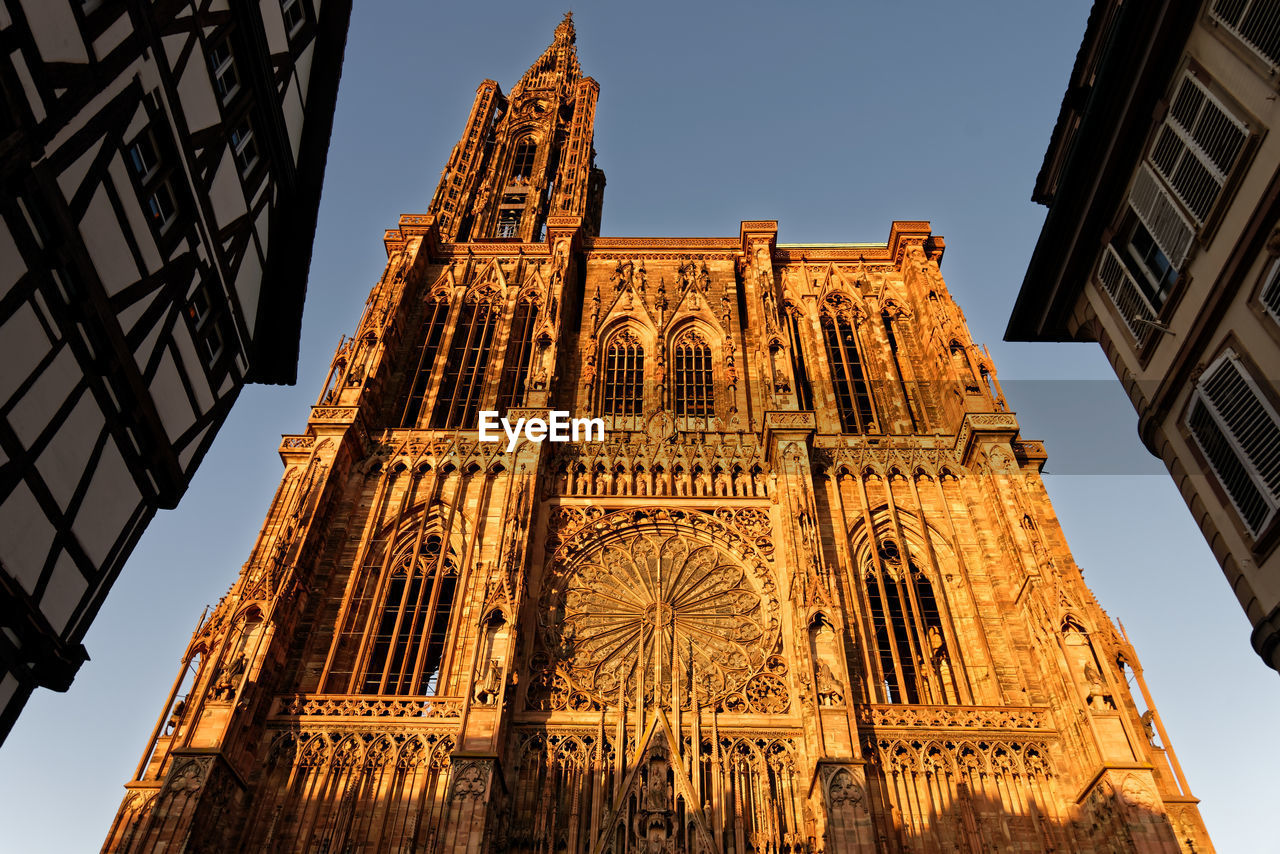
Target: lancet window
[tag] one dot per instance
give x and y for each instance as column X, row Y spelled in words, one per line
column 694, row 392
column 803, row 388
column 515, row 367
column 906, row 625
column 437, row 313
column 853, row 394
column 900, row 368
column 462, row 383
column 522, row 163
column 410, row 626
column 624, row 375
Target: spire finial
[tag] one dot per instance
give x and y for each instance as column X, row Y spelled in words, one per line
column 565, row 33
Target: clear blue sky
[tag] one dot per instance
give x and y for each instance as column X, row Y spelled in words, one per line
column 833, row 119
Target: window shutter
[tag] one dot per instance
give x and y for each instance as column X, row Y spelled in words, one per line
column 1255, row 22
column 1271, row 291
column 1196, row 147
column 1159, row 213
column 1128, row 298
column 1239, row 434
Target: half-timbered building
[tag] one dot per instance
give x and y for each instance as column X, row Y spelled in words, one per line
column 160, row 170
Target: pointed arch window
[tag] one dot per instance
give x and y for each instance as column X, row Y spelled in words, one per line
column 853, row 393
column 462, row 383
column 906, row 626
column 515, row 367
column 624, row 375
column 803, row 387
column 411, row 625
column 899, row 367
column 436, row 315
column 694, row 391
column 526, row 152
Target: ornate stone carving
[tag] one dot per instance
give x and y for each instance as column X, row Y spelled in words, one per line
column 339, row 705
column 646, row 604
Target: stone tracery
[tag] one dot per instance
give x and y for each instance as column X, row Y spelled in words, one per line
column 652, row 605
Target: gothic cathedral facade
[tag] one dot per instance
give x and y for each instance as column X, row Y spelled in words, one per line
column 806, row 594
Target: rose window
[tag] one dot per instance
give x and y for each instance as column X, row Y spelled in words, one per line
column 648, row 607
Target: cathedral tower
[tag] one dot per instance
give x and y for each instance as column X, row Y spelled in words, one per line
column 807, row 594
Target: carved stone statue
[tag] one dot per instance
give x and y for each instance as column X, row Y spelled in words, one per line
column 828, row 686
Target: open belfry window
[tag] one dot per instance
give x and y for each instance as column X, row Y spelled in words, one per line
column 509, row 222
column 462, row 383
column 1174, row 194
column 624, row 375
column 853, row 394
column 694, row 391
column 1238, row 431
column 522, row 162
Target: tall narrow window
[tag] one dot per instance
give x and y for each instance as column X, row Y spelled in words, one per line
column 913, row 409
column 624, row 375
column 463, row 381
column 1238, row 431
column 437, row 313
column 412, row 623
column 907, row 626
column 522, row 162
column 515, row 367
column 694, row 390
column 853, row 395
column 891, row 645
column 803, row 387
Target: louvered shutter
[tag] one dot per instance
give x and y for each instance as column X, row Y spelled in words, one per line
column 1271, row 291
column 1128, row 298
column 1196, row 148
column 1162, row 217
column 1255, row 22
column 1239, row 433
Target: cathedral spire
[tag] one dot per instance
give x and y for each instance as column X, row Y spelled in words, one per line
column 525, row 156
column 557, row 68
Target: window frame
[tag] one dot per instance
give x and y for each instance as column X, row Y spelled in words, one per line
column 693, row 387
column 217, row 70
column 240, row 139
column 622, row 385
column 292, row 31
column 860, row 417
